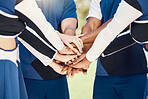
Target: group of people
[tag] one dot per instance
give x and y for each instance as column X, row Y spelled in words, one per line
column 39, row 48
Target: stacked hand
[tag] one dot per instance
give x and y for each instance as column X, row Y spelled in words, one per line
column 72, row 55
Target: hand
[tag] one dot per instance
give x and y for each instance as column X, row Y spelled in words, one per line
column 84, row 64
column 79, row 59
column 68, row 40
column 70, row 72
column 66, row 50
column 57, row 67
column 76, row 71
column 64, row 58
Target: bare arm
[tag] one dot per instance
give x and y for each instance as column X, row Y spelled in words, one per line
column 69, row 26
column 93, row 34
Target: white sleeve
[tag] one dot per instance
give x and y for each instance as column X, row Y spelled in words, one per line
column 125, row 15
column 30, row 9
column 95, row 10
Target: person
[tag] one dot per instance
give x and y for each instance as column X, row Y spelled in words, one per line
column 11, row 77
column 121, row 69
column 146, row 54
column 37, row 75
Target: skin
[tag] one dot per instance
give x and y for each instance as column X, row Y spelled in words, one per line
column 7, row 43
column 92, row 28
column 146, row 46
column 68, row 27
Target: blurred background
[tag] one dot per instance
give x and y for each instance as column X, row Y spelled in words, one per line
column 81, row 86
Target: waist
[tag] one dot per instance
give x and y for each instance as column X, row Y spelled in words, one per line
column 7, row 43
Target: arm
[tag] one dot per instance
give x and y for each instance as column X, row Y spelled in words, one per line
column 10, row 25
column 28, row 11
column 69, row 26
column 69, row 18
column 118, row 24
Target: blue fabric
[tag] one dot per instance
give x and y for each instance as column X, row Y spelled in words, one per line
column 143, row 4
column 120, row 87
column 108, row 9
column 9, row 83
column 100, row 70
column 26, row 59
column 146, row 90
column 47, row 89
column 55, row 11
column 7, row 6
column 124, row 62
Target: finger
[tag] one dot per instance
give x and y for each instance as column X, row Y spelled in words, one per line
column 70, row 57
column 79, row 60
column 73, row 49
column 79, row 65
column 84, row 72
column 66, row 58
column 69, row 71
column 85, row 67
column 69, row 63
column 64, row 69
column 81, row 42
column 75, row 71
column 78, row 44
column 80, row 35
column 68, row 51
column 58, row 61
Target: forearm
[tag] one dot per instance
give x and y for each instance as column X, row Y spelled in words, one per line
column 28, row 11
column 117, row 25
column 93, row 34
column 10, row 27
column 69, row 26
column 70, row 31
column 37, row 46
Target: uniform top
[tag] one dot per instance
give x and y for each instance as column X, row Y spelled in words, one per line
column 7, row 6
column 55, row 11
column 123, row 62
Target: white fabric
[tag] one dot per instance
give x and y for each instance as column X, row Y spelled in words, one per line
column 12, row 55
column 95, row 10
column 44, row 59
column 8, row 15
column 30, row 9
column 34, row 33
column 125, row 15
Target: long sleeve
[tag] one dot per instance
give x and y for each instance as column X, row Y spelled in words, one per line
column 39, row 37
column 10, row 25
column 28, row 11
column 37, row 46
column 117, row 25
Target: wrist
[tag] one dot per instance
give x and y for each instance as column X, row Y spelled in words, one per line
column 57, row 56
column 70, row 32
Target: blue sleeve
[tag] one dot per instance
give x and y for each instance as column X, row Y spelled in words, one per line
column 69, row 9
column 7, row 6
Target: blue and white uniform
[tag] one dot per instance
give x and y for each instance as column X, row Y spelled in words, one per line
column 10, row 71
column 123, row 61
column 37, row 75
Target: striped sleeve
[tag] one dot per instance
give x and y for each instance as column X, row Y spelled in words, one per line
column 118, row 24
column 29, row 12
column 39, row 37
column 10, row 25
column 37, row 46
